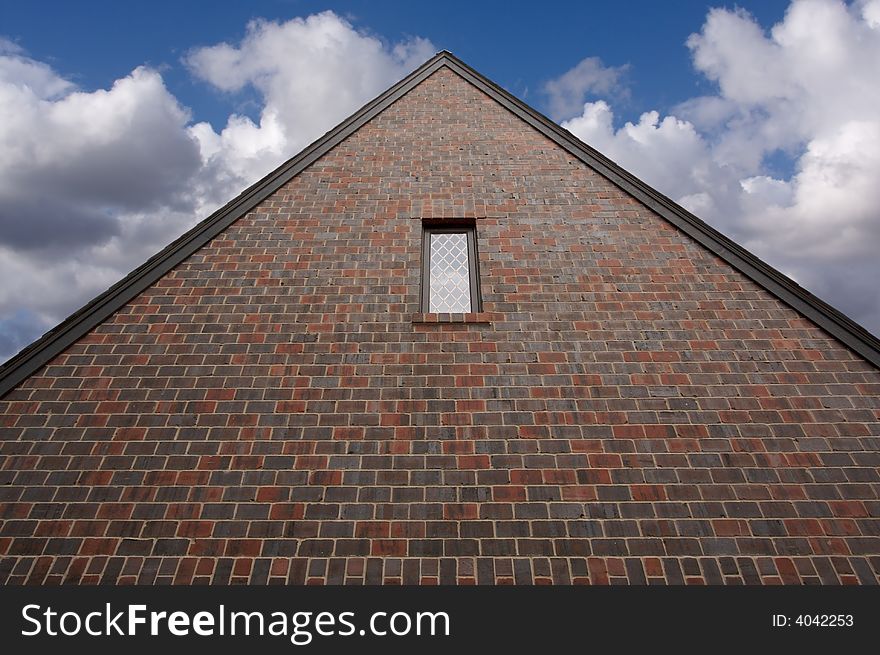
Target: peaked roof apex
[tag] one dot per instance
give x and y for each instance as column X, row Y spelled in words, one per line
column 56, row 340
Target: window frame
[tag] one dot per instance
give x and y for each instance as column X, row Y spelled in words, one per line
column 473, row 263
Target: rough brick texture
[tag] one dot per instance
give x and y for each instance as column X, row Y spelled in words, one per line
column 628, row 408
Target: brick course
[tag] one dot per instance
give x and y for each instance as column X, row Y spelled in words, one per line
column 627, row 408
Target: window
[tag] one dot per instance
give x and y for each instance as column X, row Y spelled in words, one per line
column 450, row 280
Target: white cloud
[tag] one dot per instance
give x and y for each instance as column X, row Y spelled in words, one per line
column 567, row 92
column 669, row 152
column 808, row 89
column 26, row 73
column 79, row 173
column 310, row 74
column 92, row 183
column 97, row 147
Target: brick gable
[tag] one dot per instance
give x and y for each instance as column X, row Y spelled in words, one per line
column 628, row 406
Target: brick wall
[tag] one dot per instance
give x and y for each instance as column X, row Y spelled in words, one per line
column 627, row 408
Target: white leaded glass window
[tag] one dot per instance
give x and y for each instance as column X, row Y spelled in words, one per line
column 449, row 284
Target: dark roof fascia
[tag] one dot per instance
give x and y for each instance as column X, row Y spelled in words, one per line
column 55, row 341
column 824, row 315
column 75, row 326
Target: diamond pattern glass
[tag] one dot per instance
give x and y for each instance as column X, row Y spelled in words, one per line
column 450, row 276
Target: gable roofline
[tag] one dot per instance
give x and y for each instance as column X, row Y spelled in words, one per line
column 31, row 358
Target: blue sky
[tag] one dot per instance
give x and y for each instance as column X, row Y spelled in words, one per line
column 518, row 47
column 123, row 123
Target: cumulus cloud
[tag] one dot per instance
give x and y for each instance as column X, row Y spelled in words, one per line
column 88, row 152
column 566, row 93
column 310, row 74
column 80, row 172
column 93, row 182
column 806, row 91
